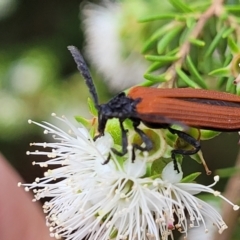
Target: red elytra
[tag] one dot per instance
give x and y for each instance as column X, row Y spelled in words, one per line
column 205, row 109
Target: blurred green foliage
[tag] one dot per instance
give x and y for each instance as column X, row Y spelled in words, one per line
column 37, row 73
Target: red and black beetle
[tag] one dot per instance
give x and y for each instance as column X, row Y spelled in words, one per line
column 160, row 108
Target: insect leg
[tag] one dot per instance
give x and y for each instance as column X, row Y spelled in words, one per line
column 144, row 137
column 189, row 139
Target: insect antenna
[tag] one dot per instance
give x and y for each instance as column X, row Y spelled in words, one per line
column 82, row 67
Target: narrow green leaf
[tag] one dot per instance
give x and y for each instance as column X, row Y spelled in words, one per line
column 232, row 8
column 145, row 84
column 114, row 130
column 181, row 18
column 167, row 38
column 154, row 78
column 92, row 132
column 222, row 48
column 190, row 178
column 228, row 59
column 223, row 80
column 158, row 65
column 193, row 70
column 227, row 32
column 197, row 42
column 83, row 121
column 173, row 52
column 233, row 45
column 158, row 17
column 180, row 6
column 186, row 33
column 155, row 66
column 215, row 42
column 220, row 72
column 164, row 58
column 92, row 108
column 230, row 87
column 186, row 79
column 155, row 36
column 198, row 6
column 190, row 21
column 238, row 89
column 208, row 134
column 223, row 16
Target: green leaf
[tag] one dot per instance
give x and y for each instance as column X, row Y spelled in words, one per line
column 83, row 121
column 233, row 8
column 165, row 59
column 114, row 130
column 167, row 38
column 238, row 89
column 181, row 18
column 158, row 166
column 228, row 59
column 227, row 32
column 185, row 34
column 173, row 52
column 158, row 65
column 153, row 78
column 233, row 45
column 208, row 134
column 158, row 17
column 155, row 66
column 193, row 70
column 220, row 72
column 200, row 6
column 197, row 42
column 230, row 87
column 223, row 80
column 155, row 36
column 180, row 6
column 145, row 84
column 215, row 42
column 92, row 108
column 190, row 22
column 186, row 79
column 190, row 178
column 92, row 132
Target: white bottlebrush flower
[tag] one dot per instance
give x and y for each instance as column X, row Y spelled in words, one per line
column 121, row 67
column 118, row 200
column 196, row 209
